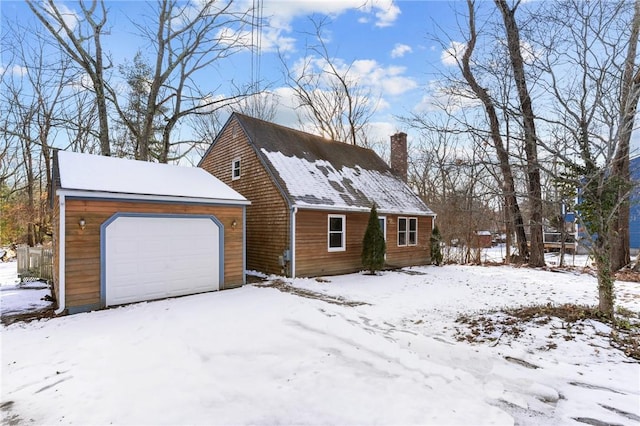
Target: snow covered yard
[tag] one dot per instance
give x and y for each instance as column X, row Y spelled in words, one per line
column 18, row 298
column 350, row 349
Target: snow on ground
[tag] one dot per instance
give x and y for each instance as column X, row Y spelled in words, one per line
column 261, row 355
column 16, row 297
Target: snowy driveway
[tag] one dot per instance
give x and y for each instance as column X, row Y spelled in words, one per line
column 262, row 356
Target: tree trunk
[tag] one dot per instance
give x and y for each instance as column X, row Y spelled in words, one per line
column 530, row 139
column 629, row 95
column 508, row 187
column 605, row 281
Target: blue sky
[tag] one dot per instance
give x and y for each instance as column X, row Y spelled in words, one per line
column 389, row 45
column 387, row 42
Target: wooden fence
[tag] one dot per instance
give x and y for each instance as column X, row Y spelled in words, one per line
column 35, row 263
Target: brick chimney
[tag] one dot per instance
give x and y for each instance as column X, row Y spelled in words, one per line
column 399, row 155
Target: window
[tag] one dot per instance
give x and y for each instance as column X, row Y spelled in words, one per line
column 407, row 231
column 413, row 231
column 235, row 169
column 337, row 233
column 383, row 225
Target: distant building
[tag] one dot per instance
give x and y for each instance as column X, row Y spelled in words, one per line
column 481, row 239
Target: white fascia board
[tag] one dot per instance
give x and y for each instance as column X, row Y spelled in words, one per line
column 148, row 198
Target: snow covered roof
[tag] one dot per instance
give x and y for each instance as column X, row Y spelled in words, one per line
column 104, row 176
column 314, row 172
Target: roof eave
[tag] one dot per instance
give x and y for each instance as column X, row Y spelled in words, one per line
column 357, row 209
column 77, row 193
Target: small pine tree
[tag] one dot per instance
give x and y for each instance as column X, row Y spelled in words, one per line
column 436, row 252
column 373, row 245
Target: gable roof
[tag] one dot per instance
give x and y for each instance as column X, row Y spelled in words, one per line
column 99, row 176
column 317, row 173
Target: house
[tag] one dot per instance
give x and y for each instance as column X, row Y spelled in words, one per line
column 481, row 239
column 127, row 231
column 311, row 198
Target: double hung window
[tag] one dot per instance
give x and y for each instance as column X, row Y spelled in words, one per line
column 407, row 231
column 235, row 169
column 336, row 232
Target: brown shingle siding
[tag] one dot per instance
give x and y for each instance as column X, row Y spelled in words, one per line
column 268, row 215
column 82, row 248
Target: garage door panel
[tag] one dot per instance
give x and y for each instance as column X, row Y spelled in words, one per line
column 155, row 257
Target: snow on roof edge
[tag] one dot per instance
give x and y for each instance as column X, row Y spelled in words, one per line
column 79, row 193
column 354, row 209
column 93, row 173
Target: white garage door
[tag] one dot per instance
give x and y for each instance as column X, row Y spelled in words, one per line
column 155, row 257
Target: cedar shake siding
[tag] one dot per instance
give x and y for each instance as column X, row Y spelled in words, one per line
column 122, row 226
column 287, row 173
column 82, row 260
column 268, row 215
column 314, row 258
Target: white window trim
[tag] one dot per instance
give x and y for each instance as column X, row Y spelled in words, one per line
column 384, row 232
column 344, row 232
column 407, row 232
column 384, row 228
column 233, row 168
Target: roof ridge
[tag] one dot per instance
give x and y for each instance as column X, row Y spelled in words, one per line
column 291, row 129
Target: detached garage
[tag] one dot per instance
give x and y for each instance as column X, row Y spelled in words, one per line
column 128, row 231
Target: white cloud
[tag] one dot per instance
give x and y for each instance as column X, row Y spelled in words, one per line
column 274, row 39
column 446, row 97
column 399, row 50
column 84, row 82
column 367, row 73
column 286, row 108
column 387, row 80
column 69, row 16
column 279, row 14
column 233, row 37
column 451, row 55
column 15, row 70
column 529, row 53
column 386, row 12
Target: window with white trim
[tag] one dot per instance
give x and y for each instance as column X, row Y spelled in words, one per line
column 383, row 226
column 235, row 169
column 336, row 234
column 407, row 231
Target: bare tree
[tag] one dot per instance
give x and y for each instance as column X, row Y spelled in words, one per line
column 80, row 38
column 454, row 181
column 187, row 40
column 536, row 254
column 35, row 93
column 509, row 189
column 329, row 96
column 629, row 96
column 589, row 48
column 206, row 126
column 78, row 121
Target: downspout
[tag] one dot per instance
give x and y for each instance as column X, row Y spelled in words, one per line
column 244, row 245
column 294, row 210
column 61, row 257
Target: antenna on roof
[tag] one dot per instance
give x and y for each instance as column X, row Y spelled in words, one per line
column 256, row 42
